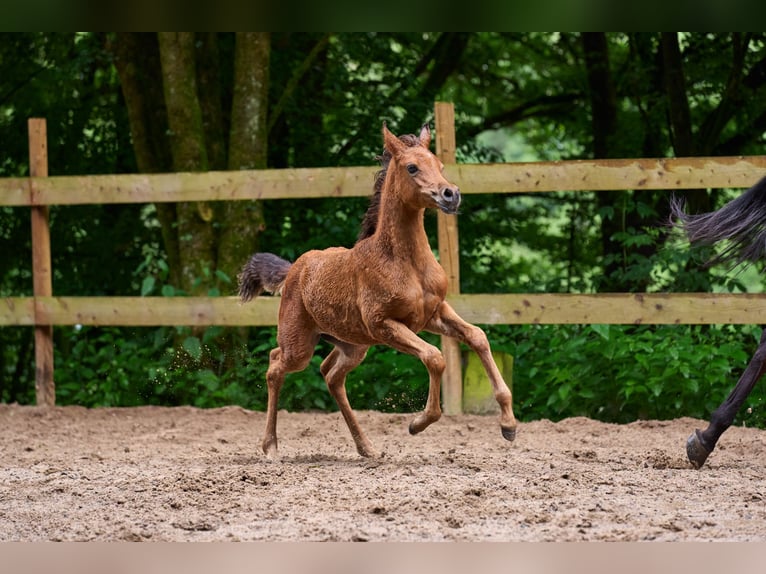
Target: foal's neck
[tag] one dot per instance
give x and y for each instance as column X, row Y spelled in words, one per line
column 400, row 231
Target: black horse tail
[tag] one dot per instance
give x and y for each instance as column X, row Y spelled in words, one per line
column 741, row 224
column 263, row 272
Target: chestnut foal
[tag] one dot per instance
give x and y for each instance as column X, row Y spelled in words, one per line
column 384, row 290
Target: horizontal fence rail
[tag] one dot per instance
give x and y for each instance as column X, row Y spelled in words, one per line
column 44, row 310
column 498, row 308
column 303, row 183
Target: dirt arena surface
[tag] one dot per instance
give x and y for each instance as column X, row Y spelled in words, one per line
column 185, row 474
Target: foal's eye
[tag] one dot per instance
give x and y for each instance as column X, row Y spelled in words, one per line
column 412, row 169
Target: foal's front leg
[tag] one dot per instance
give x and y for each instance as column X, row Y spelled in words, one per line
column 447, row 322
column 701, row 443
column 396, row 335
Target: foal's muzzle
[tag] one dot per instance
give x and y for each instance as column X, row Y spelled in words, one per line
column 448, row 200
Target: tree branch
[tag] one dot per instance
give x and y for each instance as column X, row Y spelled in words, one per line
column 542, row 106
column 447, row 43
column 675, row 89
column 295, row 79
column 714, row 123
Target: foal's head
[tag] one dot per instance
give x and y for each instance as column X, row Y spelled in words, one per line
column 420, row 177
column 416, row 173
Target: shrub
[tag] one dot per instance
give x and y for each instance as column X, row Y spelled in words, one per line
column 614, row 373
column 620, row 373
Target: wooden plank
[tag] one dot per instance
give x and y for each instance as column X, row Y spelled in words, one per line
column 207, row 186
column 17, row 311
column 45, row 389
column 578, row 175
column 613, row 308
column 14, row 191
column 494, row 308
column 449, row 257
column 606, row 174
column 157, row 311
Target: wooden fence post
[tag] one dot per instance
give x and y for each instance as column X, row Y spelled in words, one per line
column 45, row 389
column 449, row 256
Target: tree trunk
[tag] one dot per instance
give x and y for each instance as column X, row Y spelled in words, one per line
column 646, row 88
column 187, row 145
column 209, row 80
column 175, row 97
column 248, row 147
column 679, row 115
column 136, row 58
column 603, row 103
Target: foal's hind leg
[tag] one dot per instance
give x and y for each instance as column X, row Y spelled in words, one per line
column 446, row 322
column 341, row 360
column 282, row 360
column 701, row 443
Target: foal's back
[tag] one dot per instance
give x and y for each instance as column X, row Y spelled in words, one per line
column 343, row 291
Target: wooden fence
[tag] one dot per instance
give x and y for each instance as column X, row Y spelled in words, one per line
column 44, row 310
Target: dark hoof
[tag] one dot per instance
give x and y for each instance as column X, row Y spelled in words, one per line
column 508, row 433
column 696, row 451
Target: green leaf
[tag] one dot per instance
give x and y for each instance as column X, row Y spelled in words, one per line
column 223, row 277
column 147, row 286
column 602, row 330
column 193, row 346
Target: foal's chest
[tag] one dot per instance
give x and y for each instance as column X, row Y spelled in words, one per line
column 415, row 298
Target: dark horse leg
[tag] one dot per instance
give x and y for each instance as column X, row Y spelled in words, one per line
column 701, row 443
column 341, row 360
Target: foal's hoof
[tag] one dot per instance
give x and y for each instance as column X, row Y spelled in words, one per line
column 270, row 449
column 696, row 451
column 509, row 433
column 367, row 451
column 422, row 422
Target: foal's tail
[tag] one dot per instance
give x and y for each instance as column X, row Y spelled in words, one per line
column 263, row 272
column 741, row 223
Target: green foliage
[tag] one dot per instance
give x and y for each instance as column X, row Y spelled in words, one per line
column 622, row 373
column 122, row 367
column 613, row 373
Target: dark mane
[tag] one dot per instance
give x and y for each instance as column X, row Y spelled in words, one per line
column 370, row 221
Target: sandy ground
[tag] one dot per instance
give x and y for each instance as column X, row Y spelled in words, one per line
column 184, row 474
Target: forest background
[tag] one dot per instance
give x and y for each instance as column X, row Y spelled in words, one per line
column 163, row 102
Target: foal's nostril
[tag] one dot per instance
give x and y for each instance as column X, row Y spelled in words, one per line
column 452, row 194
column 448, row 199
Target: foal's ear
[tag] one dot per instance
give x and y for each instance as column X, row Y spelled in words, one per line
column 392, row 143
column 425, row 136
